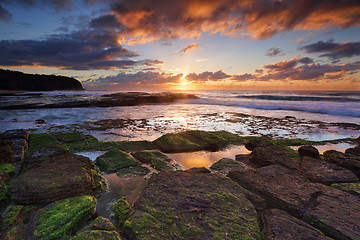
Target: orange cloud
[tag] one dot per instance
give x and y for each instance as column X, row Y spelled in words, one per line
column 144, row 21
column 188, row 48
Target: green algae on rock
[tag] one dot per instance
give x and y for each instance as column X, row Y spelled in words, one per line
column 122, row 211
column 62, row 218
column 353, row 188
column 99, row 229
column 114, row 160
column 186, row 205
column 195, row 141
column 97, row 235
column 40, row 140
column 58, row 177
column 133, row 171
column 157, row 159
column 100, row 223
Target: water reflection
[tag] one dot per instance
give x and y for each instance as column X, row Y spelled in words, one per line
column 130, row 188
column 206, row 159
column 341, row 147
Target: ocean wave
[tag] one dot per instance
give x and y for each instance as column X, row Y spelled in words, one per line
column 299, row 98
column 338, row 111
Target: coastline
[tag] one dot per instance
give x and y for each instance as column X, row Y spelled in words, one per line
column 165, row 161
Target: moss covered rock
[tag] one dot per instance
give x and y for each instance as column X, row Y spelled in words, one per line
column 114, row 160
column 62, row 218
column 15, row 218
column 133, row 171
column 97, row 235
column 57, row 177
column 100, row 223
column 353, row 188
column 6, row 151
column 195, row 141
column 190, row 205
column 122, row 211
column 156, row 159
column 41, row 140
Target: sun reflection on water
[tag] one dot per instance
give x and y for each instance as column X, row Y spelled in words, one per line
column 206, row 159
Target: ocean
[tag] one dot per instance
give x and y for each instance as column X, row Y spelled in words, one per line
column 314, row 115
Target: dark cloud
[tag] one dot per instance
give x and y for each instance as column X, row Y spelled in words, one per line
column 5, row 16
column 284, row 65
column 305, row 60
column 313, row 71
column 105, row 21
column 206, row 76
column 80, row 50
column 188, row 48
column 273, row 52
column 333, row 50
column 137, row 78
column 294, row 69
column 243, row 77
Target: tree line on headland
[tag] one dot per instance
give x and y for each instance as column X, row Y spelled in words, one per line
column 15, row 80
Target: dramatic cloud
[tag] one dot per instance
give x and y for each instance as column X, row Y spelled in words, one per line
column 143, row 21
column 5, row 16
column 137, row 78
column 294, row 69
column 207, row 76
column 81, row 50
column 334, row 50
column 284, row 65
column 188, row 48
column 286, row 70
column 273, row 52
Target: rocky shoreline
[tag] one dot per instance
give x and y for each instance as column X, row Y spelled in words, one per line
column 48, row 191
column 107, row 100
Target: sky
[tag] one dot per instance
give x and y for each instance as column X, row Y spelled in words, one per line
column 186, row 45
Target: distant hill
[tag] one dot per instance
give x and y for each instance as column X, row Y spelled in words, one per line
column 14, row 80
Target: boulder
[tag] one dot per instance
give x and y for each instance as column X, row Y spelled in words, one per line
column 332, row 211
column 264, row 156
column 42, row 154
column 187, row 205
column 14, row 221
column 321, row 171
column 245, row 159
column 97, row 234
column 198, row 170
column 62, row 218
column 19, row 139
column 353, row 151
column 57, row 177
column 16, row 134
column 253, row 143
column 277, row 224
column 308, row 151
column 353, row 188
column 157, row 160
column 195, row 141
column 114, row 160
column 344, row 160
column 6, row 151
column 100, row 228
column 224, row 165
